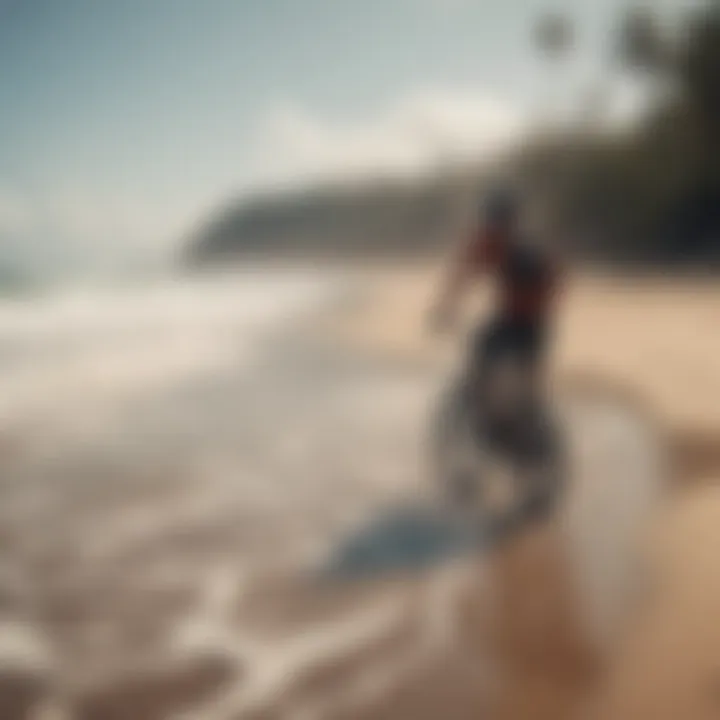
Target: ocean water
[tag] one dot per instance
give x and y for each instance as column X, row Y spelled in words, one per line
column 82, row 342
column 176, row 461
column 180, row 457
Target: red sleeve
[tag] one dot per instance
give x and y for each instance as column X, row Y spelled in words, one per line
column 482, row 251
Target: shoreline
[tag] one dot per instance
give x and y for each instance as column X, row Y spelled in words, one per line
column 651, row 337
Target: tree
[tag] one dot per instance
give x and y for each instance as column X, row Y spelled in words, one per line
column 554, row 35
column 642, row 46
column 553, row 38
column 699, row 65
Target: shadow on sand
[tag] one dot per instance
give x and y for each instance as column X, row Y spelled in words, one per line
column 402, row 539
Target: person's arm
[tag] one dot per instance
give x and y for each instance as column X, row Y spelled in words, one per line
column 464, row 268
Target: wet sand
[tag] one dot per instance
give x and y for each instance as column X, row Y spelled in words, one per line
column 650, row 342
column 159, row 529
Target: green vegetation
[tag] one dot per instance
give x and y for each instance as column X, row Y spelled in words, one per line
column 649, row 193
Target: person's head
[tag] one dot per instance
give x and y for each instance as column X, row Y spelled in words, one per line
column 501, row 210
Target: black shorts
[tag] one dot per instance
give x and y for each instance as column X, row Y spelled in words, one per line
column 508, row 338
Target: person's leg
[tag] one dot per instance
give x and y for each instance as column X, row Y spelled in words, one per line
column 486, row 346
column 487, row 343
column 532, row 351
column 510, row 370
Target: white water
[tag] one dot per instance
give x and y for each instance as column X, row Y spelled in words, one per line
column 150, row 451
column 67, row 352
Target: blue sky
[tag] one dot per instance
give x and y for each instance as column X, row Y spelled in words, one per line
column 123, row 121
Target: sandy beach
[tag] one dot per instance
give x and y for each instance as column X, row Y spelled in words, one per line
column 649, row 342
column 177, row 461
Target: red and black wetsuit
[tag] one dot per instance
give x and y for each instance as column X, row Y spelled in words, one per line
column 527, row 283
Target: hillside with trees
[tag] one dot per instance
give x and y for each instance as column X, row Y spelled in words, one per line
column 647, row 193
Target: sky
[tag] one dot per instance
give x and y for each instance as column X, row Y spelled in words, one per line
column 124, row 122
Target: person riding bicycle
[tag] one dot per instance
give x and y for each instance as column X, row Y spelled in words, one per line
column 527, row 279
column 515, row 336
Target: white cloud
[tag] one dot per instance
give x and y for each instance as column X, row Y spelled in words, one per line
column 84, row 212
column 62, row 222
column 420, row 131
column 83, row 227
